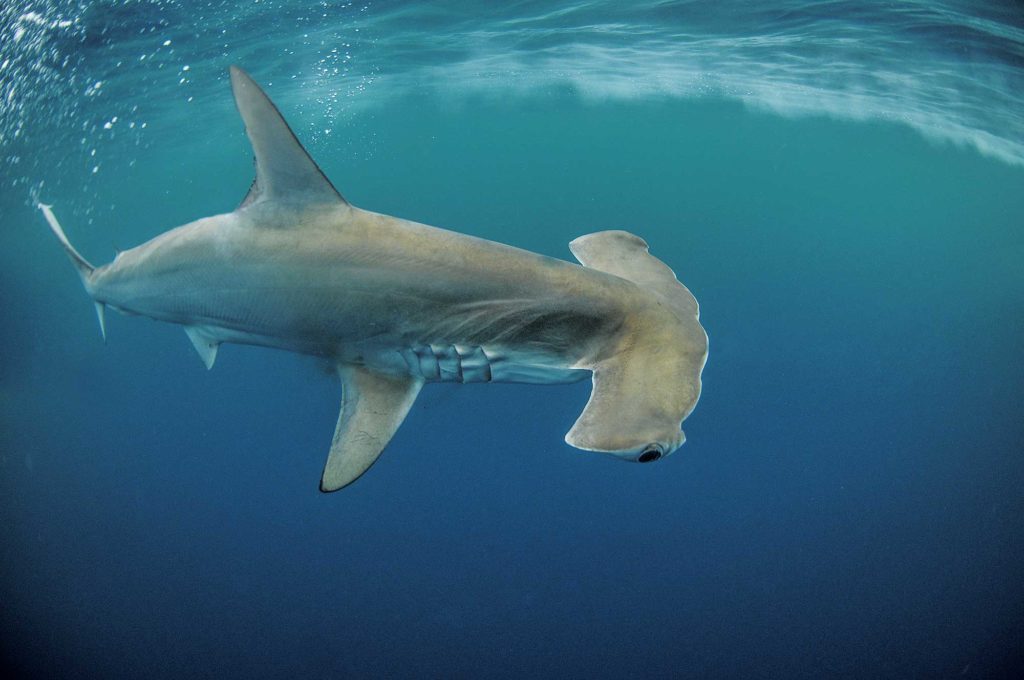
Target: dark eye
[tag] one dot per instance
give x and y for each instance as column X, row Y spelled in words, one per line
column 650, row 454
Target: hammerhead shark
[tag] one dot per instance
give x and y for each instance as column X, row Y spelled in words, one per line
column 394, row 304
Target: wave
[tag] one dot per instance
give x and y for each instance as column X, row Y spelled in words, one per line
column 950, row 74
column 953, row 71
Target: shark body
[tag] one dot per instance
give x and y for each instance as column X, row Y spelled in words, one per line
column 395, row 304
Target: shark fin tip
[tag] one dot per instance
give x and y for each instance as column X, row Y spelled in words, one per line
column 205, row 346
column 101, row 316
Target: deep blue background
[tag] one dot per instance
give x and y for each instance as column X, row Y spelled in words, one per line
column 849, row 502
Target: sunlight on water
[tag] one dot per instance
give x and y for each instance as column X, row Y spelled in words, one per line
column 75, row 77
column 81, row 83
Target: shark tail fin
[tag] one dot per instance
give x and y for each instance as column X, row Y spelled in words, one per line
column 85, row 269
column 81, row 264
column 650, row 382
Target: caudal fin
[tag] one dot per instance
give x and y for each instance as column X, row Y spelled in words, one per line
column 85, row 269
column 83, row 266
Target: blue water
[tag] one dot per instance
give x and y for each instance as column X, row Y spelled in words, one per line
column 841, row 185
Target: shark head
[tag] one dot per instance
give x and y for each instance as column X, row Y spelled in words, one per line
column 649, row 380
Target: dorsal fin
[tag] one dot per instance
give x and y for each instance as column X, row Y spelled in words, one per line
column 284, row 171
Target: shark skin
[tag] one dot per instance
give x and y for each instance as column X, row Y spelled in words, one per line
column 395, row 304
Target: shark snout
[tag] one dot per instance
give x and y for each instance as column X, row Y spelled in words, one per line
column 651, row 453
column 637, row 453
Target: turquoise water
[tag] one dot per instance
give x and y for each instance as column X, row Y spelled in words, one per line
column 840, row 184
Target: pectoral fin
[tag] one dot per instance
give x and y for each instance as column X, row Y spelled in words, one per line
column 373, row 405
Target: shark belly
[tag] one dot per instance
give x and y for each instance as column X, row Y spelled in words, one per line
column 385, row 345
column 397, row 332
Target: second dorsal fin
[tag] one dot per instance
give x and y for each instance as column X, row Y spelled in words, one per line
column 284, row 171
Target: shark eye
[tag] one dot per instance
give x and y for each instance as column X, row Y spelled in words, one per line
column 650, row 454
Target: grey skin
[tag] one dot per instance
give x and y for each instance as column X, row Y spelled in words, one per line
column 394, row 304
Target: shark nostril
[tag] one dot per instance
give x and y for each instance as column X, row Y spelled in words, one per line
column 650, row 454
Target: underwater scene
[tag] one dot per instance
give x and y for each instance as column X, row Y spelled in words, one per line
column 839, row 184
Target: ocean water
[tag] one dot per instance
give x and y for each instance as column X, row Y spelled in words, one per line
column 841, row 185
